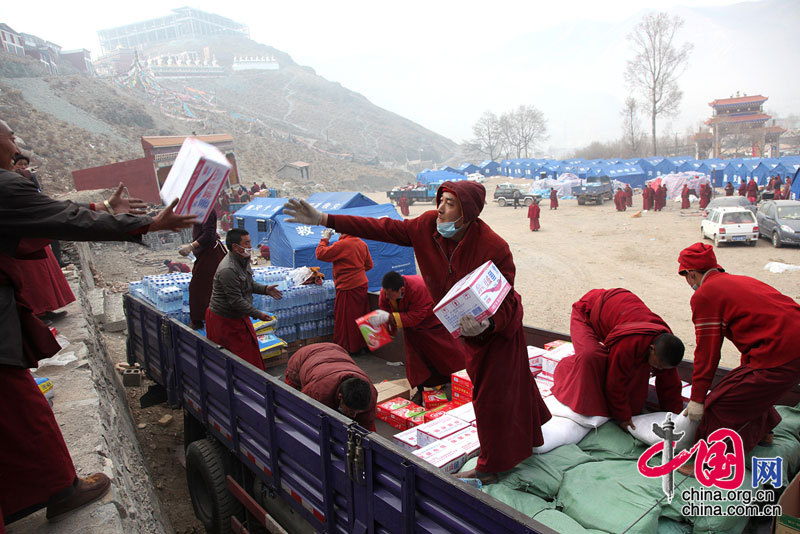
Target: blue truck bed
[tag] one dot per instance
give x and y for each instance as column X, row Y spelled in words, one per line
column 338, row 476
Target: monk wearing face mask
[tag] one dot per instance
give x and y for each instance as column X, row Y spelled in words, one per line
column 449, row 243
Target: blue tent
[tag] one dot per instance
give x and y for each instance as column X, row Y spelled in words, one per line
column 763, row 170
column 447, row 168
column 530, row 169
column 339, row 200
column 468, row 168
column 786, row 168
column 716, row 168
column 439, row 176
column 729, row 172
column 294, row 245
column 745, row 171
column 630, row 174
column 574, row 161
column 582, row 170
column 505, row 167
column 258, row 217
column 489, row 168
column 647, row 167
column 679, row 160
column 550, row 169
column 665, row 166
column 796, row 184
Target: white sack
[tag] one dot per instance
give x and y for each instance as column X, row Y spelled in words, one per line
column 644, row 428
column 559, row 431
column 562, row 410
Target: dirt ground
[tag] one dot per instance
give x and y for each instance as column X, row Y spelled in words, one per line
column 578, row 248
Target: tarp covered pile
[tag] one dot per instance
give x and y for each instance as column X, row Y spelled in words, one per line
column 675, row 181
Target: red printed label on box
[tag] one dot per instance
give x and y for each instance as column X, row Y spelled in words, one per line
column 385, row 409
column 439, row 429
column 433, row 399
column 376, row 337
column 407, row 439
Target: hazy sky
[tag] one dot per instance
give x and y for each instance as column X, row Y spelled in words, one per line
column 443, row 63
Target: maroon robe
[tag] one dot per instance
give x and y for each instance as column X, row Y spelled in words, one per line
column 208, row 255
column 236, row 335
column 619, row 200
column 612, row 331
column 685, row 197
column 762, row 324
column 752, row 190
column 705, row 195
column 349, row 305
column 660, row 198
column 507, row 403
column 432, row 354
column 742, row 189
column 553, row 199
column 403, row 204
column 729, row 189
column 318, row 370
column 647, row 198
column 533, row 214
column 628, row 196
column 787, row 189
column 44, row 285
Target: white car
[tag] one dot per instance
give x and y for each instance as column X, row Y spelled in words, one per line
column 730, row 225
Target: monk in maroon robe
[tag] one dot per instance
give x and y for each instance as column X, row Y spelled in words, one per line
column 533, row 214
column 44, row 286
column 402, row 202
column 685, row 197
column 787, row 189
column 432, row 354
column 351, row 261
column 619, row 342
column 628, row 196
column 619, row 199
column 661, row 197
column 553, row 199
column 752, row 191
column 705, row 196
column 449, row 243
column 208, row 252
column 742, row 188
column 762, row 324
column 729, row 189
column 647, row 198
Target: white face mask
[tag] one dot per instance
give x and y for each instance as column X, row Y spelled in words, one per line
column 696, row 287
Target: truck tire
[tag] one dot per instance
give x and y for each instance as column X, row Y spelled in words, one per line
column 776, row 240
column 410, row 201
column 528, row 201
column 600, row 200
column 716, row 240
column 205, row 475
column 501, row 202
column 581, row 201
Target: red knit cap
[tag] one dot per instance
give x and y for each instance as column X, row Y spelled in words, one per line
column 698, row 257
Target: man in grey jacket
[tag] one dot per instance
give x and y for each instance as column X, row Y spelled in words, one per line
column 228, row 315
column 36, row 468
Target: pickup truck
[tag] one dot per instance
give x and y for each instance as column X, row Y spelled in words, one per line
column 504, row 195
column 595, row 189
column 261, row 455
column 425, row 193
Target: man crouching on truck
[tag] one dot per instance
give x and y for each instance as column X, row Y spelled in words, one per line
column 450, row 242
column 228, row 314
column 326, row 373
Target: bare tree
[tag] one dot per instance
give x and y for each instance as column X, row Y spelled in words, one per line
column 488, row 137
column 631, row 129
column 522, row 130
column 657, row 63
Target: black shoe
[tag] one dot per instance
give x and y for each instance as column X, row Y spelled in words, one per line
column 52, row 316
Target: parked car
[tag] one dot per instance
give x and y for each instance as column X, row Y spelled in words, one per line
column 504, row 195
column 730, row 225
column 779, row 221
column 729, row 202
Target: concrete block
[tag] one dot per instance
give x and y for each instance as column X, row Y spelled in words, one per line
column 113, row 312
column 97, row 303
column 132, row 377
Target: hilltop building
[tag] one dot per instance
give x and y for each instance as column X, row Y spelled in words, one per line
column 183, row 23
column 11, row 41
column 739, row 124
column 298, row 170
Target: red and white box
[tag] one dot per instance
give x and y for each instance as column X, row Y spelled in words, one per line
column 448, row 458
column 439, row 411
column 465, row 412
column 554, row 344
column 535, row 358
column 434, row 399
column 385, row 409
column 460, row 399
column 197, row 176
column 552, row 358
column 407, row 439
column 401, row 418
column 439, row 429
column 478, row 294
column 461, row 382
column 376, row 337
column 545, row 385
column 467, row 440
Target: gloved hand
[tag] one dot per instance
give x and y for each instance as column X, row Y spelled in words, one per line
column 380, row 317
column 694, row 411
column 186, row 249
column 327, row 233
column 302, row 212
column 470, row 327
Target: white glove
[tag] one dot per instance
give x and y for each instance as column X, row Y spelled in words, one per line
column 380, row 317
column 470, row 327
column 694, row 411
column 302, row 212
column 186, row 249
column 327, row 233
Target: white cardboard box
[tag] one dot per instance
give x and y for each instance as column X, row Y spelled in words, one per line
column 544, row 384
column 447, row 457
column 467, row 440
column 438, row 429
column 465, row 412
column 535, row 357
column 552, row 358
column 478, row 294
column 407, row 439
column 197, row 176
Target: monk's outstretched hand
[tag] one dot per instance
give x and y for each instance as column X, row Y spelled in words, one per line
column 300, row 211
column 470, row 327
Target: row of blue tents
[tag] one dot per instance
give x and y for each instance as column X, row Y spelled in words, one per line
column 632, row 171
column 294, row 245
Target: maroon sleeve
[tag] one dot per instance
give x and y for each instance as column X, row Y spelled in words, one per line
column 709, row 335
column 207, row 235
column 367, row 418
column 327, row 252
column 621, row 359
column 384, row 229
column 292, row 374
column 420, row 305
column 668, row 388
